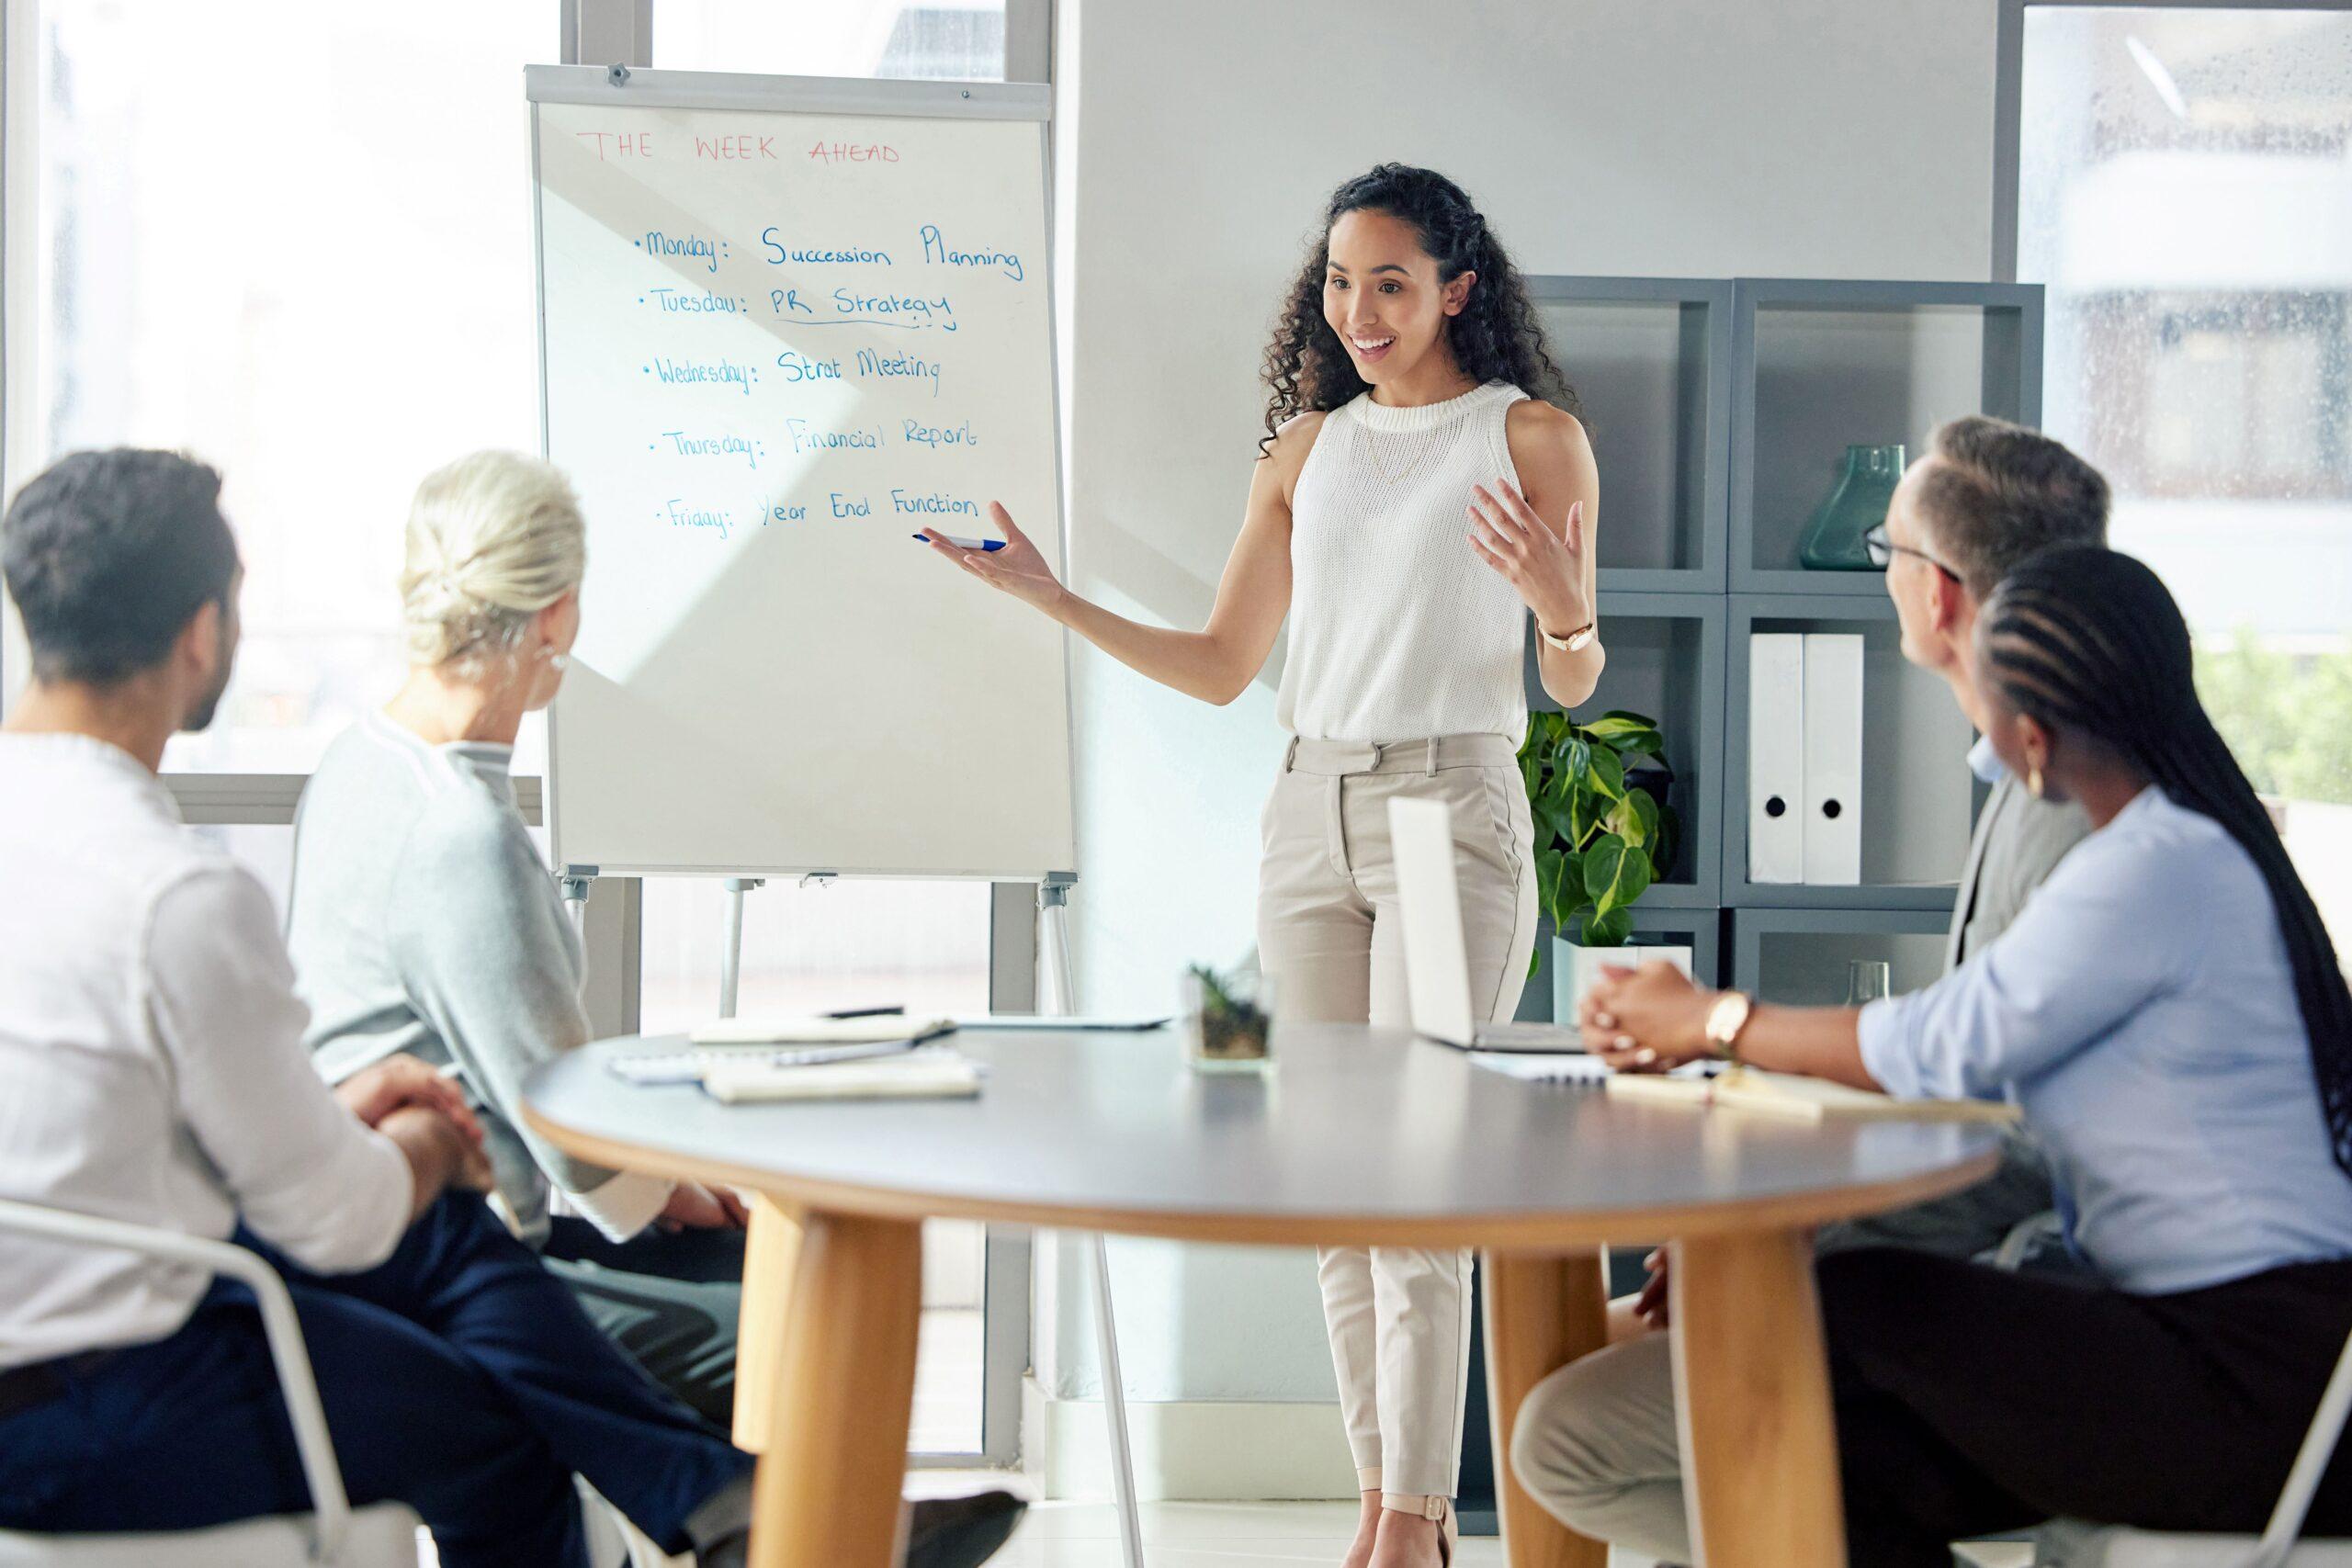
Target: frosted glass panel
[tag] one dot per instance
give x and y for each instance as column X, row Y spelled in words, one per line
column 2185, row 195
column 277, row 262
column 949, row 40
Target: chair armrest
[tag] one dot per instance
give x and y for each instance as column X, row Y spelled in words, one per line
column 330, row 1506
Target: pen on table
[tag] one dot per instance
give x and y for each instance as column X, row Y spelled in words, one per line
column 869, row 1012
column 963, row 544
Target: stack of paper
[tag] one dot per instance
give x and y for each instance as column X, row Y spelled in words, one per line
column 938, row 1073
column 1801, row 1098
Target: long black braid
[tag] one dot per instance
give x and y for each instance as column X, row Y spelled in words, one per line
column 2086, row 640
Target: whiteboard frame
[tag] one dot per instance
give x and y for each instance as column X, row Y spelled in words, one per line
column 626, row 86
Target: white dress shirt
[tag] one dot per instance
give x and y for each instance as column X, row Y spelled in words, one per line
column 152, row 1066
column 2141, row 1013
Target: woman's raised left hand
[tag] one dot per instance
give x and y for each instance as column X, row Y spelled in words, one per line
column 1547, row 570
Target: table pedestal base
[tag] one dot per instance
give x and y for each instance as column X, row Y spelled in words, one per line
column 1542, row 1314
column 1751, row 1385
column 840, row 1397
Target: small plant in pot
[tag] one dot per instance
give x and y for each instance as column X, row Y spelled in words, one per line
column 1228, row 1019
column 1603, row 833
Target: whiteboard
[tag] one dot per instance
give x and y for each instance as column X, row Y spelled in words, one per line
column 786, row 322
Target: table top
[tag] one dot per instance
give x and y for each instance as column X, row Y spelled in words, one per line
column 1358, row 1136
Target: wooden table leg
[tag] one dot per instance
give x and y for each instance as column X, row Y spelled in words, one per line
column 840, row 1397
column 1542, row 1314
column 1752, row 1400
column 769, row 1254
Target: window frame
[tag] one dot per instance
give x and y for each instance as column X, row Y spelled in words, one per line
column 589, row 31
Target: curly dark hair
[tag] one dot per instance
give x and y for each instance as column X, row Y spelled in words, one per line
column 1498, row 336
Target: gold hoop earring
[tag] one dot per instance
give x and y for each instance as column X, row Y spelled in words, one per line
column 2034, row 780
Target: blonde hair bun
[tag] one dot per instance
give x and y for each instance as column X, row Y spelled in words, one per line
column 493, row 539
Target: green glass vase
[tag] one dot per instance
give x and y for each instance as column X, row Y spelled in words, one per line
column 1855, row 505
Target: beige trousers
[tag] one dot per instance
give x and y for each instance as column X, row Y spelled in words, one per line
column 1328, row 937
column 1596, row 1445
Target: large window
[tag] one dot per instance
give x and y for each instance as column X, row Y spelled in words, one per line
column 2185, row 192
column 955, row 39
column 294, row 240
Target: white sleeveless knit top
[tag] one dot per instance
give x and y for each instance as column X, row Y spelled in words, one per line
column 1398, row 631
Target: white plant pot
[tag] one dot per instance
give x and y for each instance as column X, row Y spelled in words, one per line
column 1576, row 968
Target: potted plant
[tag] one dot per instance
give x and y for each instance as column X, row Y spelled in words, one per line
column 1228, row 1020
column 1603, row 833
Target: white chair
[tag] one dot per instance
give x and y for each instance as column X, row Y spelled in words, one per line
column 2077, row 1545
column 381, row 1536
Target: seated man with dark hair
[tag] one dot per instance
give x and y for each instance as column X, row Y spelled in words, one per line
column 151, row 1070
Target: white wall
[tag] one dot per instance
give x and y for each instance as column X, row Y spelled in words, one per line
column 1711, row 137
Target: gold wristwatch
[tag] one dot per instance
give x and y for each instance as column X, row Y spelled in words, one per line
column 1726, row 1016
column 1576, row 640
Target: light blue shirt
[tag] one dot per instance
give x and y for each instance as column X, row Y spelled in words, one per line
column 2141, row 1013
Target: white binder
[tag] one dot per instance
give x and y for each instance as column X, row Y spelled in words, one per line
column 1833, row 757
column 1776, row 820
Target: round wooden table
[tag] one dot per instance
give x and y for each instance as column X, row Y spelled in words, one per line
column 1362, row 1137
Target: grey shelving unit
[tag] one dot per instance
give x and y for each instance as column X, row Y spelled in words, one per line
column 1652, row 360
column 1701, row 929
column 1823, row 941
column 1719, row 410
column 1918, row 798
column 1819, row 364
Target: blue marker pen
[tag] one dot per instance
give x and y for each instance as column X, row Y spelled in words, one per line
column 963, row 544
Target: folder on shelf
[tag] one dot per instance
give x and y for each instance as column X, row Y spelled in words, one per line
column 1833, row 757
column 1775, row 757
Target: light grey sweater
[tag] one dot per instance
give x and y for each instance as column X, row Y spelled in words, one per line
column 422, row 920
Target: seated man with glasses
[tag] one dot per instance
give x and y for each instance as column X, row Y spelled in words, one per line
column 1595, row 1442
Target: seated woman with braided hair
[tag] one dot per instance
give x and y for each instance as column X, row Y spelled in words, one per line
column 2170, row 1017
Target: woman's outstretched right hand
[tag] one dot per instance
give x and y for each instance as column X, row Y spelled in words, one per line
column 1019, row 568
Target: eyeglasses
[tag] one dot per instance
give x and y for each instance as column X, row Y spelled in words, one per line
column 1883, row 551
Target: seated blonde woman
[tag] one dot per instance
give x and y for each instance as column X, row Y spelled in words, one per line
column 423, row 921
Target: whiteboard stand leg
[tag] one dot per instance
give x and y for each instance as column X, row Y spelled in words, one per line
column 1114, row 1407
column 731, row 961
column 575, row 900
column 1053, row 910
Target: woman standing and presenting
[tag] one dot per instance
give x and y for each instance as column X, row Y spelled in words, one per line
column 1412, row 505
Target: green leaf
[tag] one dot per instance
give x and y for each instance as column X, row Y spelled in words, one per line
column 1584, row 815
column 1572, row 758
column 1530, row 770
column 1615, row 874
column 1640, row 743
column 1559, row 884
column 1634, row 819
column 1550, row 866
column 1606, row 772
column 1553, row 826
column 1643, row 719
column 1610, row 726
column 1610, row 930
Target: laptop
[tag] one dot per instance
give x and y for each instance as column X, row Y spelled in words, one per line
column 1437, row 964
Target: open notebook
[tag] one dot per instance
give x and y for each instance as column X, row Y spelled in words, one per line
column 1801, row 1098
